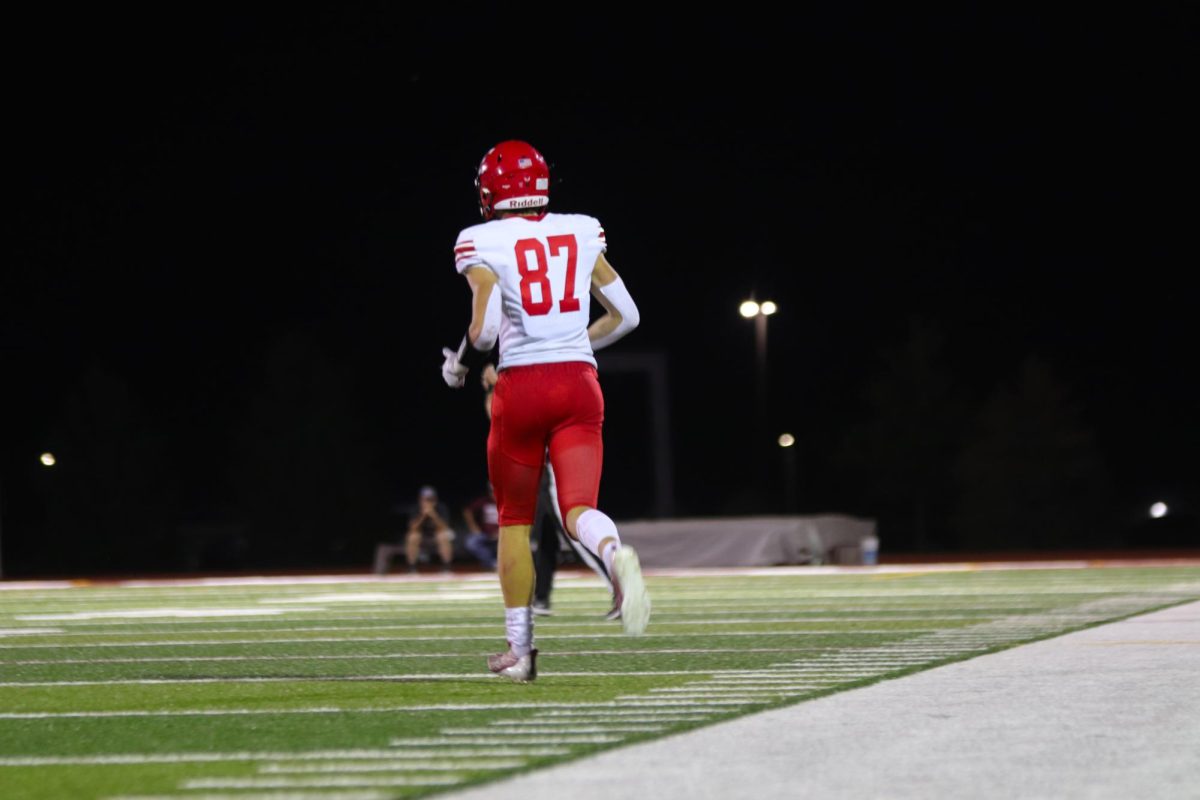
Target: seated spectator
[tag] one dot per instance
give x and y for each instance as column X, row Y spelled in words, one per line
column 483, row 526
column 426, row 523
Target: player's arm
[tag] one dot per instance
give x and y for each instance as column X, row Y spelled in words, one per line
column 481, row 333
column 621, row 313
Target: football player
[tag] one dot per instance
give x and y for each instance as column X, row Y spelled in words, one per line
column 531, row 274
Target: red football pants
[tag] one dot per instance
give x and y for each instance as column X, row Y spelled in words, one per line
column 539, row 406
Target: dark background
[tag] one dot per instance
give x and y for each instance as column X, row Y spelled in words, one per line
column 228, row 271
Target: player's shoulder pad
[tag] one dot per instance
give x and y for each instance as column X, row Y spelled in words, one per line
column 469, row 233
column 588, row 223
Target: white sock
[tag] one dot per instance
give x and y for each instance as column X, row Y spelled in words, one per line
column 518, row 625
column 593, row 527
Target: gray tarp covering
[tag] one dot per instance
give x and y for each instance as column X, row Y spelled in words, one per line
column 747, row 541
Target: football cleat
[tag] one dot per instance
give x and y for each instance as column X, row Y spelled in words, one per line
column 521, row 669
column 541, row 608
column 634, row 603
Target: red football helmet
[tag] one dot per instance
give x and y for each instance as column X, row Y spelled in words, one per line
column 512, row 176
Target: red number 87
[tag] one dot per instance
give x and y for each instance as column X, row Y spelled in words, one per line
column 537, row 271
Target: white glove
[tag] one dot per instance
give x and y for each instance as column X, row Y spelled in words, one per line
column 453, row 372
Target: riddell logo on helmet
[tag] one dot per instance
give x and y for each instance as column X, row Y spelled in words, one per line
column 527, row 202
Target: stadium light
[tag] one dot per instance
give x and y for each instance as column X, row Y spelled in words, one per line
column 48, row 459
column 787, row 440
column 748, row 309
column 768, row 308
column 1158, row 510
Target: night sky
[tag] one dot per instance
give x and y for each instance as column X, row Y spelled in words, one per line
column 191, row 192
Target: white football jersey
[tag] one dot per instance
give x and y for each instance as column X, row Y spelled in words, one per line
column 545, row 271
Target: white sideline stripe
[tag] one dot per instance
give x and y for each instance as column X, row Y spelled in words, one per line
column 412, row 765
column 552, row 637
column 751, row 683
column 637, row 701
column 528, row 729
column 540, row 720
column 261, row 796
column 30, row 631
column 722, row 688
column 156, row 613
column 481, row 595
column 701, row 698
column 437, row 741
column 252, row 755
column 318, row 783
column 719, row 692
column 647, row 713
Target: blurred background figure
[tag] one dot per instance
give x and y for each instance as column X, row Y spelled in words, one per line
column 483, row 528
column 426, row 524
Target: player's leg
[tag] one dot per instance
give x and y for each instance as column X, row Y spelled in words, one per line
column 577, row 455
column 515, row 564
column 516, row 447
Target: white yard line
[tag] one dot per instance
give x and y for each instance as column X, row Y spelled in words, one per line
column 262, row 796
column 484, row 624
column 551, row 637
column 585, row 580
column 618, row 713
column 411, row 765
column 233, row 712
column 439, row 741
column 533, row 729
column 374, row 656
column 320, row 783
column 158, row 613
column 544, row 720
column 269, row 755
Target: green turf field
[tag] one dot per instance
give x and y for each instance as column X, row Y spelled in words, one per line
column 377, row 689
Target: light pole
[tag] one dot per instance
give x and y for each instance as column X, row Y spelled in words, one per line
column 752, row 309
